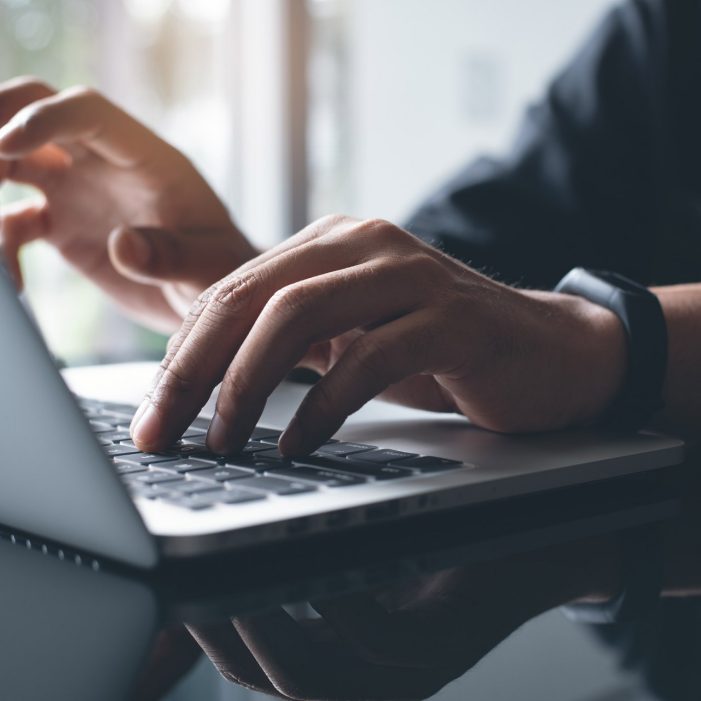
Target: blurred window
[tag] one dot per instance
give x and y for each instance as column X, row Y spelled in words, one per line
column 398, row 94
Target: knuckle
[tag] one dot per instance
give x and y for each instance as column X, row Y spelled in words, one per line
column 231, row 295
column 424, row 267
column 84, row 93
column 331, row 221
column 290, row 301
column 234, row 391
column 369, row 357
column 173, row 383
column 380, row 232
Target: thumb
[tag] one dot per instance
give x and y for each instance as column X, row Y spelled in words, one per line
column 154, row 256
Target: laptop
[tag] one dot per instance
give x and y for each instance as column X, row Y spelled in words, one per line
column 70, row 473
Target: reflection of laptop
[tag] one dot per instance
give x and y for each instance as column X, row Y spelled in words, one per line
column 94, row 491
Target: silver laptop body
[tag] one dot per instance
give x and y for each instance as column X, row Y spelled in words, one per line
column 58, row 483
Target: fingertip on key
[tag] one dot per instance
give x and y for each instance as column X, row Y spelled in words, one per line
column 147, row 430
column 217, row 436
column 291, row 442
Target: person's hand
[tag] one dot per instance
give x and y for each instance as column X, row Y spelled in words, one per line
column 125, row 208
column 407, row 643
column 379, row 312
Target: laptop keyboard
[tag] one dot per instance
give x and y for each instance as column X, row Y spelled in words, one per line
column 190, row 476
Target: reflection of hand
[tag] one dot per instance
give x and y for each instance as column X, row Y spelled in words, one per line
column 100, row 171
column 378, row 311
column 407, row 645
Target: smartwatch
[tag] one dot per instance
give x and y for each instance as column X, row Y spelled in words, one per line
column 642, row 318
column 640, row 397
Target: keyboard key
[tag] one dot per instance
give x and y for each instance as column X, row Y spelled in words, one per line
column 188, row 450
column 118, row 407
column 230, row 496
column 270, row 454
column 119, row 450
column 254, row 447
column 379, row 472
column 383, row 456
column 249, row 462
column 115, row 436
column 200, row 440
column 127, row 468
column 186, row 502
column 265, row 435
column 147, row 491
column 100, row 426
column 275, row 485
column 122, row 417
column 223, row 474
column 429, row 463
column 147, row 458
column 154, row 477
column 190, row 465
column 193, row 487
column 342, row 448
column 206, row 500
column 312, row 474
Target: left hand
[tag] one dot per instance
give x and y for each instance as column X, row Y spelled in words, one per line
column 379, row 312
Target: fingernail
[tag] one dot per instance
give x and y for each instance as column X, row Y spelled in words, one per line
column 148, row 428
column 292, row 439
column 217, row 435
column 139, row 412
column 137, row 249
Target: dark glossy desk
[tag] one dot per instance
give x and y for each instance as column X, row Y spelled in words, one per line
column 78, row 629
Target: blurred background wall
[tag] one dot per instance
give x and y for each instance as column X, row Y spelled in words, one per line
column 292, row 108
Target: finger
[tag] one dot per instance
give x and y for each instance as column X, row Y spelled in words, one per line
column 339, row 224
column 20, row 224
column 80, row 115
column 153, row 256
column 293, row 320
column 419, row 391
column 214, row 329
column 302, row 669
column 38, row 168
column 233, row 660
column 20, row 92
column 372, row 363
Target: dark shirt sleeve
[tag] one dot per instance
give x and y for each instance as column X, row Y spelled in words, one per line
column 586, row 181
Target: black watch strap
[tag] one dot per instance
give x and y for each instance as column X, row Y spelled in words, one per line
column 642, row 317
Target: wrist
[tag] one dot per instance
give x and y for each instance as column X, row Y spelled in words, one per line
column 591, row 348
